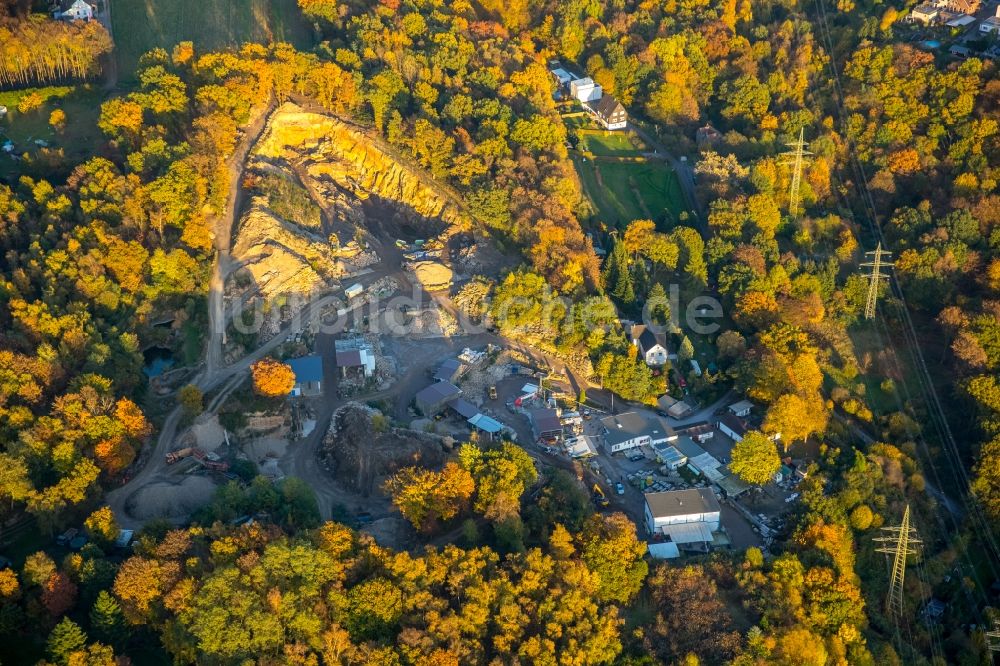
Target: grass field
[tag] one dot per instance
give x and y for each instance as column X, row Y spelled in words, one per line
column 141, row 25
column 626, row 191
column 77, row 140
column 610, row 144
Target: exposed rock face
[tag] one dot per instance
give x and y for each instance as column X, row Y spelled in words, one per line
column 339, row 156
column 282, row 257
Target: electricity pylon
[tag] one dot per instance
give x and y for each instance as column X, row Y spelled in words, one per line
column 898, row 542
column 796, row 158
column 993, row 637
column 875, row 277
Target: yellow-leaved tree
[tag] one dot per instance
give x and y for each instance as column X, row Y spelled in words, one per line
column 272, row 378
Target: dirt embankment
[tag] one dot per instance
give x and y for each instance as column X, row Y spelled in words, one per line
column 362, row 458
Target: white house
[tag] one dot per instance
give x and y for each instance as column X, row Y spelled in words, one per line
column 685, row 516
column 561, row 76
column 925, row 13
column 585, row 90
column 741, row 408
column 991, row 25
column 78, row 11
column 732, row 426
column 609, row 112
column 632, row 429
column 650, row 345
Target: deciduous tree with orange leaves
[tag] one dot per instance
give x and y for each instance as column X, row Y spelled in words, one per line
column 272, row 378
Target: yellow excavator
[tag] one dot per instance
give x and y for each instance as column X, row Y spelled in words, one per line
column 599, row 497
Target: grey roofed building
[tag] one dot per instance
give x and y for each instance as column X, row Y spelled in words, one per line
column 732, row 426
column 741, row 408
column 683, row 502
column 436, row 397
column 632, row 429
column 449, row 370
column 687, row 446
column 464, row 408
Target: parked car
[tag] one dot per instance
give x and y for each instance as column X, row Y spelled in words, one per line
column 619, row 488
column 791, row 498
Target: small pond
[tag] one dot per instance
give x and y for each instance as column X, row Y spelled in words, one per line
column 157, row 360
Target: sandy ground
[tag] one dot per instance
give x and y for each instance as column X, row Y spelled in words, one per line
column 208, row 434
column 258, row 449
column 171, row 500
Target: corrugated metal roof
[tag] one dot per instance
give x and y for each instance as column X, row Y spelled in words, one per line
column 486, row 424
column 464, row 408
column 307, row 368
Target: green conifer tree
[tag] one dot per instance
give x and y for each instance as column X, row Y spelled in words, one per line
column 106, row 619
column 65, row 639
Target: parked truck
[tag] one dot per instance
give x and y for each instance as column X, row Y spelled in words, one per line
column 180, row 454
column 354, row 291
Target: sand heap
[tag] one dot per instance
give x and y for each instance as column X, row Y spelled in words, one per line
column 432, row 275
column 171, row 500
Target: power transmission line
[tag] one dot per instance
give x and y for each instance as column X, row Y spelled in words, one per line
column 796, row 158
column 875, row 277
column 898, row 543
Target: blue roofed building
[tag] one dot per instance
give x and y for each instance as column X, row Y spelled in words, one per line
column 308, row 376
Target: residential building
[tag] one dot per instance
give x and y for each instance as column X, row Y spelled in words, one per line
column 992, row 24
column 741, row 408
column 308, row 376
column 609, row 112
column 632, row 429
column 732, row 426
column 434, row 398
column 684, row 516
column 651, row 346
column 707, row 135
column 969, row 7
column 561, row 76
column 700, row 432
column 925, row 13
column 78, row 11
column 585, row 90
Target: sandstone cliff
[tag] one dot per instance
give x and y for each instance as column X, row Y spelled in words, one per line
column 282, row 257
column 339, row 156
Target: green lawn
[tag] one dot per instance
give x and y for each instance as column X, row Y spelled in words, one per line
column 629, row 191
column 611, row 144
column 141, row 25
column 77, row 140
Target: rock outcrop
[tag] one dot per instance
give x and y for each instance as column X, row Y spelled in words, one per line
column 282, row 257
column 339, row 156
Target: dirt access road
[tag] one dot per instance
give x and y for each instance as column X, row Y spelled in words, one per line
column 212, row 374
